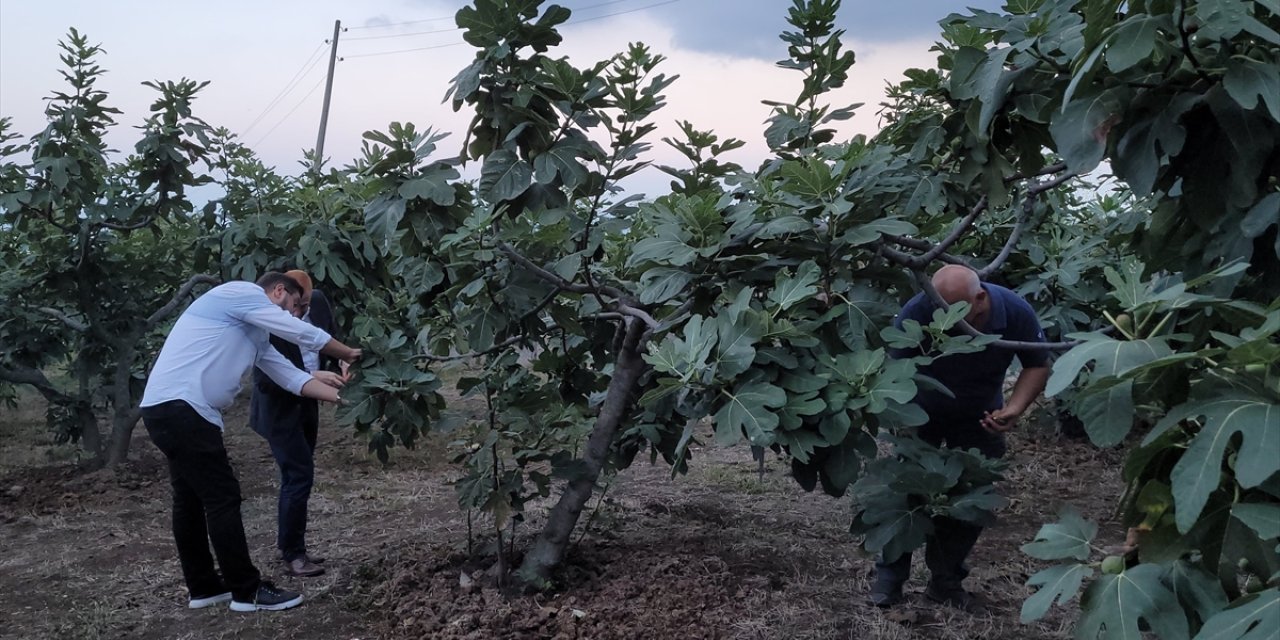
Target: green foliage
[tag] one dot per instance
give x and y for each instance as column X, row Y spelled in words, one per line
column 761, row 300
column 89, row 249
column 897, row 498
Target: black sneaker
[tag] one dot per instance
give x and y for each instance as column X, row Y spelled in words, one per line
column 955, row 597
column 201, row 602
column 269, row 598
column 885, row 594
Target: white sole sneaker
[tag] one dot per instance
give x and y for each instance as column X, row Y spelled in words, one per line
column 245, row 607
column 200, row 603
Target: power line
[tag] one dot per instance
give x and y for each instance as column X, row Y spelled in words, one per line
column 309, row 64
column 286, row 116
column 421, row 33
column 400, row 24
column 455, row 44
column 405, row 35
column 619, row 13
column 387, row 53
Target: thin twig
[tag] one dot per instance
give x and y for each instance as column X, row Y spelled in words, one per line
column 146, row 222
column 478, row 354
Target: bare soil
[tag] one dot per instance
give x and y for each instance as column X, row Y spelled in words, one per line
column 724, row 552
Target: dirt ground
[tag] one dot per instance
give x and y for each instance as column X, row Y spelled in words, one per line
column 721, row 553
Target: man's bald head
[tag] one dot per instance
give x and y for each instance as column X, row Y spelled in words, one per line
column 958, row 283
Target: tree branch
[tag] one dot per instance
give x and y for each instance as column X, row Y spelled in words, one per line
column 35, row 378
column 126, row 227
column 667, row 322
column 491, row 350
column 1044, row 171
column 922, row 245
column 626, row 309
column 1041, row 187
column 72, row 323
column 926, row 285
column 934, row 251
column 555, row 279
column 182, row 293
column 1028, row 207
column 957, row 233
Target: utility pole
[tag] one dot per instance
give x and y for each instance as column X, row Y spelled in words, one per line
column 328, row 92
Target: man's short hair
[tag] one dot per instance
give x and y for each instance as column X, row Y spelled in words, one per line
column 269, row 280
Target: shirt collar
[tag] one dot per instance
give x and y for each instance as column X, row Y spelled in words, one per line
column 999, row 319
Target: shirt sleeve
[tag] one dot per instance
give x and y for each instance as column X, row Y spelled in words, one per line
column 279, row 369
column 1029, row 330
column 915, row 309
column 260, row 312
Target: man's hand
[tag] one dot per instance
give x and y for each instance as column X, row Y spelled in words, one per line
column 341, row 351
column 330, row 378
column 1000, row 420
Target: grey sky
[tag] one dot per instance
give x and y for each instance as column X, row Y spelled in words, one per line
column 751, row 28
column 250, row 51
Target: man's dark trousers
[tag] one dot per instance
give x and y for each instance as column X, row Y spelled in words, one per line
column 290, row 425
column 206, row 502
column 952, row 540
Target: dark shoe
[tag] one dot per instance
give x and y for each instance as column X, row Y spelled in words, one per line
column 201, row 602
column 885, row 594
column 301, row 567
column 269, row 598
column 955, row 597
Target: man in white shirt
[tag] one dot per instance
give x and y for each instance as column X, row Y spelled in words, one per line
column 195, row 378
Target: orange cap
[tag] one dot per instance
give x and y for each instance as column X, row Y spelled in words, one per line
column 303, row 280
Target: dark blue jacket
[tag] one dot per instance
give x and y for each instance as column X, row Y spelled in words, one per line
column 272, row 406
column 976, row 379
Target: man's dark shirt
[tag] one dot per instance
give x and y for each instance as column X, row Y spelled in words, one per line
column 273, row 404
column 976, row 379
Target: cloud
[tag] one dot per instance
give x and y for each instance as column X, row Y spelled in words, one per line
column 751, row 29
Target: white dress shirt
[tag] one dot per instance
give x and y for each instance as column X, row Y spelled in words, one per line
column 217, row 339
column 310, row 357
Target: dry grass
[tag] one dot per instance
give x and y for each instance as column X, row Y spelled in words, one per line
column 91, row 556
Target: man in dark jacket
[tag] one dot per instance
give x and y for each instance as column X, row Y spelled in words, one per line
column 975, row 416
column 290, row 424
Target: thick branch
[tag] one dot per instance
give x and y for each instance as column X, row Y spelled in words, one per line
column 957, row 233
column 927, row 286
column 35, row 378
column 902, row 258
column 555, row 278
column 182, row 293
column 625, row 309
column 923, row 245
column 72, row 323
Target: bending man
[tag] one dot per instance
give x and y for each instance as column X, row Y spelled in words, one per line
column 195, row 378
column 977, row 417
